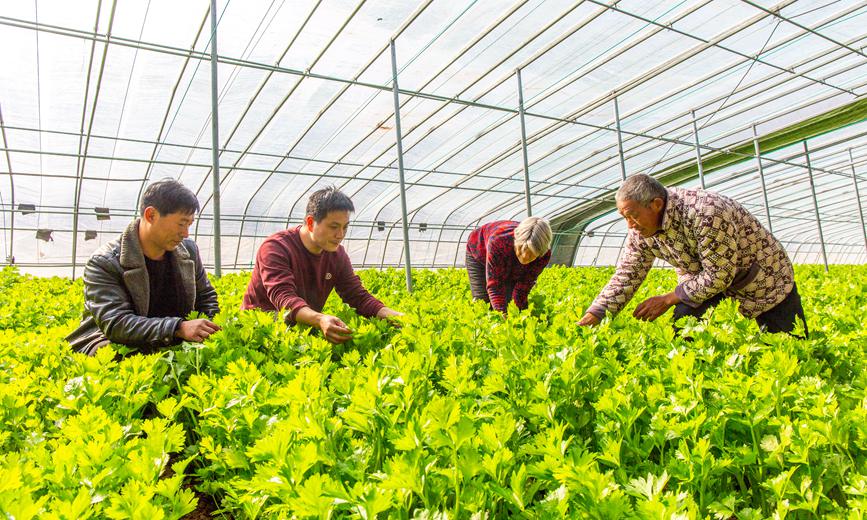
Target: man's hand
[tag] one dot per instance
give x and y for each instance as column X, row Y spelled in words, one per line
column 654, row 307
column 588, row 320
column 389, row 314
column 196, row 331
column 334, row 329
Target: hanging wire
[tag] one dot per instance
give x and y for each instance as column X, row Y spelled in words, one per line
column 245, row 54
column 123, row 108
column 727, row 98
column 388, row 82
column 206, row 124
column 831, row 24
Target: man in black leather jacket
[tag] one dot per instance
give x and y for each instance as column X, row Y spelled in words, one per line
column 139, row 287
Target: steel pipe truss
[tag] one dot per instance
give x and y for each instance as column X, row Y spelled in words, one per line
column 553, row 191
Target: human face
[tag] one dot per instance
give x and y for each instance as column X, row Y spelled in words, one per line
column 328, row 233
column 525, row 254
column 165, row 232
column 644, row 219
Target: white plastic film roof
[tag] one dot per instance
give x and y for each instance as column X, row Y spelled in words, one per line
column 99, row 98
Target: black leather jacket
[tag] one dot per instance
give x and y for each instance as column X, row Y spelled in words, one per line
column 117, row 296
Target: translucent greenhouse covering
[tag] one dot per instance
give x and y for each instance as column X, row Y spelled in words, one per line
column 503, row 108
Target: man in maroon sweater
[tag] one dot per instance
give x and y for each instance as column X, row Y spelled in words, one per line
column 297, row 268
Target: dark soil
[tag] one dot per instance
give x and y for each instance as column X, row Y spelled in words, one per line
column 205, row 509
column 206, row 505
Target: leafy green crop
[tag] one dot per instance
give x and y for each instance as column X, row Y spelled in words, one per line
column 461, row 413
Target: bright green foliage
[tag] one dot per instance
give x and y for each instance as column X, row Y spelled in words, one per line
column 461, row 413
column 28, row 302
column 79, row 438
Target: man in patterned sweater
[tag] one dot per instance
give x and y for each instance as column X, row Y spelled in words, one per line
column 717, row 248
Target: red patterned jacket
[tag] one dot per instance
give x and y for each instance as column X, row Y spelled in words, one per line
column 493, row 245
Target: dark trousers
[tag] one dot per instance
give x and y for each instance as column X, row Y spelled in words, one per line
column 780, row 318
column 479, row 281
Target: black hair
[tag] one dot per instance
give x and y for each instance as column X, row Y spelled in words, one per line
column 169, row 196
column 326, row 200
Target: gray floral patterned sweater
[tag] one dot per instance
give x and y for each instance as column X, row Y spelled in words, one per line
column 715, row 246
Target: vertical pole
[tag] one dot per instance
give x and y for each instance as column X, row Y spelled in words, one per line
column 215, row 142
column 762, row 178
column 697, row 150
column 400, row 166
column 815, row 205
column 11, row 256
column 619, row 140
column 524, row 144
column 858, row 197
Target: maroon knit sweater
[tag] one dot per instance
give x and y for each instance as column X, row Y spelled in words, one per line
column 287, row 276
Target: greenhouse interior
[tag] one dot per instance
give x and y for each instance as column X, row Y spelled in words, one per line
column 505, row 110
column 435, row 117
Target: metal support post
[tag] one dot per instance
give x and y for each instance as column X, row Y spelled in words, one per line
column 619, row 140
column 215, row 142
column 524, row 144
column 815, row 205
column 10, row 257
column 395, row 90
column 858, row 197
column 762, row 178
column 84, row 140
column 697, row 150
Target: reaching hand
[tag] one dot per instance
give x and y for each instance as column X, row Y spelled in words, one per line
column 389, row 314
column 334, row 329
column 196, row 331
column 588, row 320
column 654, row 307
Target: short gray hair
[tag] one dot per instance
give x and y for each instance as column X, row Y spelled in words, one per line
column 642, row 189
column 535, row 233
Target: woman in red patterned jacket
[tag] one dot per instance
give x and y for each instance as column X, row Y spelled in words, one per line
column 505, row 257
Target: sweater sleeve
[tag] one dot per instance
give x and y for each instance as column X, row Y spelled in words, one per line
column 496, row 271
column 630, row 273
column 278, row 278
column 350, row 289
column 525, row 284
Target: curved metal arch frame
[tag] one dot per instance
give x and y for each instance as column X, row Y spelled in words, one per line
column 682, row 143
column 321, row 113
column 446, row 104
column 225, row 177
column 791, row 227
column 85, row 154
column 84, row 142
